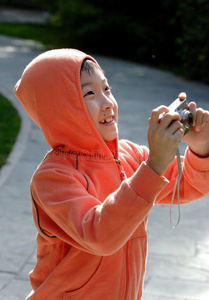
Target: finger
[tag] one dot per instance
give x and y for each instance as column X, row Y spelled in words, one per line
column 169, row 118
column 205, row 118
column 176, row 129
column 155, row 116
column 192, row 107
column 182, row 96
column 199, row 119
column 178, row 134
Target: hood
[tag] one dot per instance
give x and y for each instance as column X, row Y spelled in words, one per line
column 50, row 92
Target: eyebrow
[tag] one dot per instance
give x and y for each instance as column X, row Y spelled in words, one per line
column 91, row 82
column 85, row 84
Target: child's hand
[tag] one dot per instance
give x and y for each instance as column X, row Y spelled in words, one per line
column 198, row 136
column 163, row 138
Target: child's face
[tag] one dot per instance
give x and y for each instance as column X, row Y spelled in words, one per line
column 100, row 103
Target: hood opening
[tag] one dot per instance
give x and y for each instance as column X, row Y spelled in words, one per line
column 50, row 92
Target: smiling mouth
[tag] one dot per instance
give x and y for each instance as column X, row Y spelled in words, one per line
column 108, row 120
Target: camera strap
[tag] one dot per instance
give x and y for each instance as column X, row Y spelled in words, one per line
column 177, row 185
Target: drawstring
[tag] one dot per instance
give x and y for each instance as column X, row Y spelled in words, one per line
column 177, row 184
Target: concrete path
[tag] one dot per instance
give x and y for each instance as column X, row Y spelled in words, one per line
column 23, row 16
column 178, row 261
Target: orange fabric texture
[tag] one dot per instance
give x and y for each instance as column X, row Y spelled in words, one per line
column 91, row 209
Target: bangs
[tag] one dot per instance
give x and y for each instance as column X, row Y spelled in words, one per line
column 90, row 67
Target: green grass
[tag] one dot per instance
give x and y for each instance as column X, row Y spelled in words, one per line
column 9, row 119
column 45, row 33
column 9, row 128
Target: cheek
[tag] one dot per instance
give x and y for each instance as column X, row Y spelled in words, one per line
column 115, row 110
column 93, row 111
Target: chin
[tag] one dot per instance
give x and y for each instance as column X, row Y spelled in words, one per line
column 110, row 138
column 109, row 135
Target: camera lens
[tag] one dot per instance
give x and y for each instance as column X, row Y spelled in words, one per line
column 190, row 120
column 186, row 119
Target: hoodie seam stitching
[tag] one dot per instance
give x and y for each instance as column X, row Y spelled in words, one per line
column 38, row 220
column 77, row 168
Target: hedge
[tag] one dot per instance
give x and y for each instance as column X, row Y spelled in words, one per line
column 172, row 33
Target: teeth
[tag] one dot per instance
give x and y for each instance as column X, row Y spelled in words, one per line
column 108, row 120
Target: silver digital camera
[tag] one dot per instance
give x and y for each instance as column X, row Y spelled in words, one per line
column 181, row 107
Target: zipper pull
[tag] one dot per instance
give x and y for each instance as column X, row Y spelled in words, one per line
column 121, row 170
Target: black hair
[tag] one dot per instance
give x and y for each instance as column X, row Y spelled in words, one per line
column 90, row 66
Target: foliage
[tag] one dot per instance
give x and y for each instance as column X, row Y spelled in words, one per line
column 44, row 33
column 194, row 42
column 117, row 27
column 9, row 128
column 169, row 33
column 20, row 4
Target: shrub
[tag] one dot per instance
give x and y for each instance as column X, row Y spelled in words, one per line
column 167, row 32
column 9, row 128
column 194, row 42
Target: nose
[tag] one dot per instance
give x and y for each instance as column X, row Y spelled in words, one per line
column 107, row 103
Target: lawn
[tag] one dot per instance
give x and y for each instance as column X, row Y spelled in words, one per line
column 9, row 128
column 50, row 36
column 9, row 119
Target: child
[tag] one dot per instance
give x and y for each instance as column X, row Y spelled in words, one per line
column 92, row 194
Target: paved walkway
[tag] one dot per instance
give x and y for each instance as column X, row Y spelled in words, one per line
column 23, row 16
column 178, row 261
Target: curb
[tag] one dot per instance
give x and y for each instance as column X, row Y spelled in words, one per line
column 20, row 142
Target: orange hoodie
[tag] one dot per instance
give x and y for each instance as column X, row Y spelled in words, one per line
column 90, row 209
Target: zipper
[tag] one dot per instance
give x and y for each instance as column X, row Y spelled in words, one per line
column 121, row 169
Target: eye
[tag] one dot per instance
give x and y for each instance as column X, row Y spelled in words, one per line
column 108, row 88
column 89, row 93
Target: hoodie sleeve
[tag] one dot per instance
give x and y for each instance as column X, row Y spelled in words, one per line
column 64, row 209
column 194, row 180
